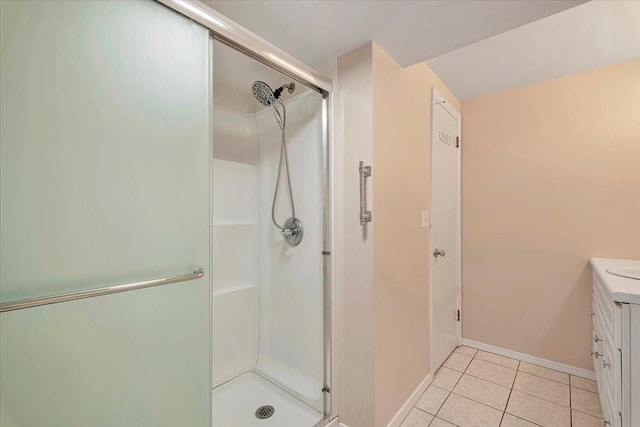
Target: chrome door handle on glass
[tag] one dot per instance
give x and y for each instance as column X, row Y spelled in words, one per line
column 439, row 252
column 90, row 293
column 365, row 172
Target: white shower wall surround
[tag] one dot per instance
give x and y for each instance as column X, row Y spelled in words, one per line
column 268, row 296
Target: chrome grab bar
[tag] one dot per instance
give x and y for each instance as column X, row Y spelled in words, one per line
column 365, row 172
column 90, row 293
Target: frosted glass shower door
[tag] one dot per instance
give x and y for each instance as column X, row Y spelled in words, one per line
column 104, row 180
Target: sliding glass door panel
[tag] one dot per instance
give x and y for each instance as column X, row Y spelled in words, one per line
column 137, row 358
column 104, row 145
column 104, row 180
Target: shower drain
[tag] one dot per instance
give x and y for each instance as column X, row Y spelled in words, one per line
column 264, row 412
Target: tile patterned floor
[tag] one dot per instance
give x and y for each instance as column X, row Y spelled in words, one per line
column 474, row 388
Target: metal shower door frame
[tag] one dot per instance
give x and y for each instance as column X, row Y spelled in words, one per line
column 239, row 38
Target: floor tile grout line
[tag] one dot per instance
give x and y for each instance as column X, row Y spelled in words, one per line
column 468, row 398
column 459, row 352
column 542, row 398
column 511, row 389
column 586, row 413
column 506, row 405
column 504, row 366
column 484, row 379
column 577, row 386
column 520, row 362
column 483, row 404
column 546, row 378
column 421, row 410
column 570, row 405
column 515, row 376
column 454, row 386
column 497, row 364
column 513, row 384
column 583, row 389
column 588, row 391
column 445, row 399
column 533, row 364
column 523, row 419
column 452, row 353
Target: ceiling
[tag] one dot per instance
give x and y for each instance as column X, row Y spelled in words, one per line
column 475, row 46
column 592, row 35
column 316, row 31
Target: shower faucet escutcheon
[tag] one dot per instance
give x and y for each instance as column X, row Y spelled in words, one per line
column 292, row 231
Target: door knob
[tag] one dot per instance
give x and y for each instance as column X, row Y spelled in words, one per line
column 439, row 252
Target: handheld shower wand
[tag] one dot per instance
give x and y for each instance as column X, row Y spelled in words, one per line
column 292, row 227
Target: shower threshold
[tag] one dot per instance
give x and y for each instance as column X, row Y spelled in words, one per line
column 235, row 404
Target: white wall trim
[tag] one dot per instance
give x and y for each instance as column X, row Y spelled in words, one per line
column 568, row 369
column 333, row 423
column 410, row 403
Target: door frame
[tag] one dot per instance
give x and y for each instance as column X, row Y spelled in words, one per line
column 438, row 98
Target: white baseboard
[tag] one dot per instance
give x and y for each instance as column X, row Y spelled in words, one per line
column 333, row 423
column 410, row 403
column 584, row 373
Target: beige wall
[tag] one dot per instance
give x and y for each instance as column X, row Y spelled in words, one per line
column 401, row 168
column 550, row 177
column 354, row 111
column 383, row 117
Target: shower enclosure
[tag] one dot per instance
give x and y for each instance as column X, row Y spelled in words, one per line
column 148, row 273
column 267, row 247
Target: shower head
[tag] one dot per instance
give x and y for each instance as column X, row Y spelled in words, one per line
column 290, row 88
column 263, row 93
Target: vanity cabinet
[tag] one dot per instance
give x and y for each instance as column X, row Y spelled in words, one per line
column 616, row 352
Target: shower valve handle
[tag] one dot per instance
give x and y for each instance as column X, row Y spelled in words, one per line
column 288, row 232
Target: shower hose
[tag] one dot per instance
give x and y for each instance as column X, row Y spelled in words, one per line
column 281, row 118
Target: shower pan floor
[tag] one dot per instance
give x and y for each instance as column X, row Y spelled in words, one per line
column 235, row 404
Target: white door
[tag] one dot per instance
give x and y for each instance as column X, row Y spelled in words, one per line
column 445, row 229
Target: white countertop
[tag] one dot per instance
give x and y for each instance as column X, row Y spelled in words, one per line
column 621, row 289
